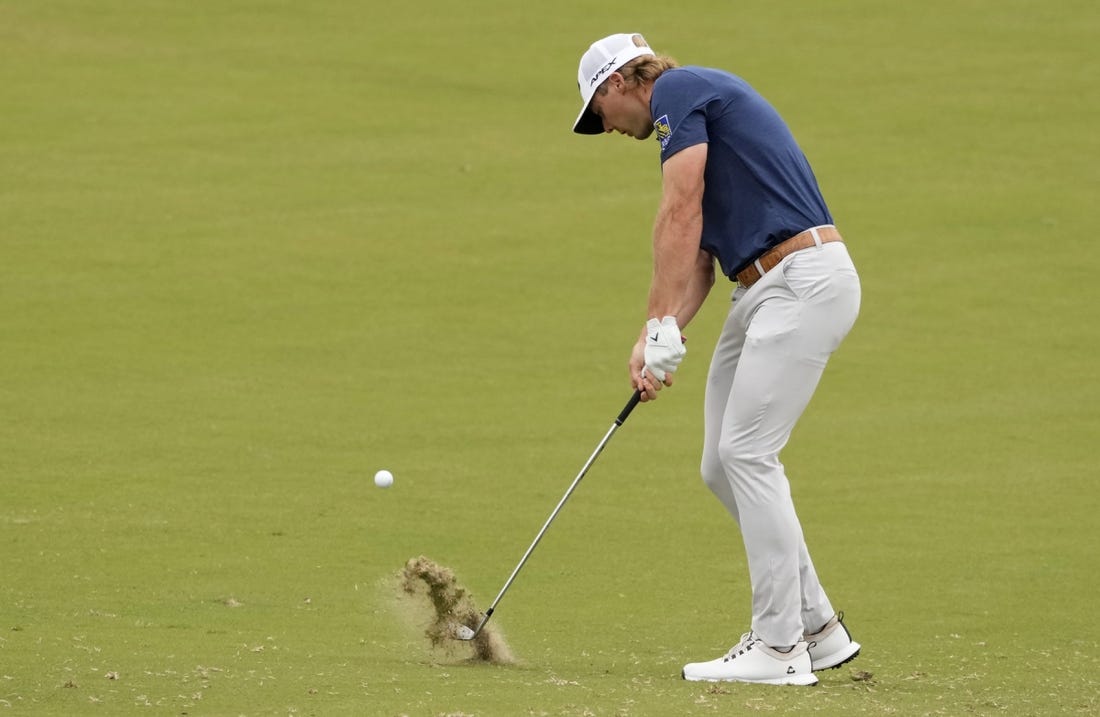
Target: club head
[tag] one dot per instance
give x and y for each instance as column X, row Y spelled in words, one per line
column 464, row 633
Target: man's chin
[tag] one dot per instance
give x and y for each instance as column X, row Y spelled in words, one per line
column 645, row 134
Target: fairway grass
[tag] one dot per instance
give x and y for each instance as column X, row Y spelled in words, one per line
column 253, row 252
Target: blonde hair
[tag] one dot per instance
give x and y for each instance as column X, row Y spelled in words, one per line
column 646, row 68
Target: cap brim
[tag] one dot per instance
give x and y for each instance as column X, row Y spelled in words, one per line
column 588, row 122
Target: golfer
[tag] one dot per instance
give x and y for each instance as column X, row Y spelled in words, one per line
column 738, row 195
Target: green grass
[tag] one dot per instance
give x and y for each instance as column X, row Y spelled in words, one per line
column 250, row 252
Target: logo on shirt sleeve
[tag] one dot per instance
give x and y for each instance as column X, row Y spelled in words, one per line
column 664, row 131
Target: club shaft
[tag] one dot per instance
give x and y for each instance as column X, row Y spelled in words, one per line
column 588, row 464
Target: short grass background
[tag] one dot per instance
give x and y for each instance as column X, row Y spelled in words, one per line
column 252, row 251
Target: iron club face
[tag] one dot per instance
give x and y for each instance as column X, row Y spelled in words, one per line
column 462, row 632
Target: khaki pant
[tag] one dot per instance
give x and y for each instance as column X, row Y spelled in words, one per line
column 770, row 356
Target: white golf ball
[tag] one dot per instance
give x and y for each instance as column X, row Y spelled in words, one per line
column 383, row 479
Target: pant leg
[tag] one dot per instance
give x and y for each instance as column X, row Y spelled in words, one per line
column 723, row 368
column 791, row 321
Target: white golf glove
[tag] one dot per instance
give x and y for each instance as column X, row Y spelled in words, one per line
column 664, row 347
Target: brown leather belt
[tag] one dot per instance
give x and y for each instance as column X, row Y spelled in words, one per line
column 771, row 258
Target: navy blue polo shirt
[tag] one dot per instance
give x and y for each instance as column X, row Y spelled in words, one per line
column 759, row 188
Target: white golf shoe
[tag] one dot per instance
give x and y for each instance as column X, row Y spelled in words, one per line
column 750, row 660
column 832, row 646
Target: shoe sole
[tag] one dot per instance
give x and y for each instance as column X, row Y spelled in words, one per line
column 841, row 658
column 800, row 680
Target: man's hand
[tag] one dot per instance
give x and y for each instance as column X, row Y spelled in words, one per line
column 641, row 379
column 664, row 347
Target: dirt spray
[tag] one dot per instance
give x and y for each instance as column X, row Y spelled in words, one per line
column 452, row 605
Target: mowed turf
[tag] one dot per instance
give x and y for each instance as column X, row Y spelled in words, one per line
column 251, row 252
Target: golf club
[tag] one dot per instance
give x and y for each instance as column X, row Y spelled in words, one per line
column 462, row 632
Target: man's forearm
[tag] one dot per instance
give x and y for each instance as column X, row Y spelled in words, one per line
column 676, row 236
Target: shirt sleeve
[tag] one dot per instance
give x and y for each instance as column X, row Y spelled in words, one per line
column 679, row 104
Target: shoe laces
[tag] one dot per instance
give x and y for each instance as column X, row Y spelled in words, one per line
column 743, row 645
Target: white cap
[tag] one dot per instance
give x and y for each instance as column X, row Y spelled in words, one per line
column 604, row 57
